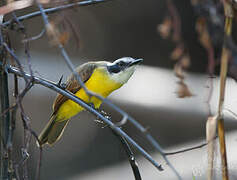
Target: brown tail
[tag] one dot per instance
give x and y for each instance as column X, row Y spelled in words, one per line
column 53, row 131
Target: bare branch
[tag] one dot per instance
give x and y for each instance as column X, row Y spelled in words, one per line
column 56, row 9
column 5, row 119
column 34, row 37
column 187, row 149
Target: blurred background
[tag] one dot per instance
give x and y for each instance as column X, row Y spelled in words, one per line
column 108, row 31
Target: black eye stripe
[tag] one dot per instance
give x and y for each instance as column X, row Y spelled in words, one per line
column 119, row 66
column 114, row 68
column 121, row 63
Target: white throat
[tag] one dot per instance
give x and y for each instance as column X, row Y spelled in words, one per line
column 123, row 76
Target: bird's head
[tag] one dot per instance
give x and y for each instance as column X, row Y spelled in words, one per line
column 122, row 69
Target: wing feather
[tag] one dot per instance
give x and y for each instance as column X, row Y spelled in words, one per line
column 85, row 71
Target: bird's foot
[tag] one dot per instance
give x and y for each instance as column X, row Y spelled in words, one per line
column 105, row 114
column 99, row 121
column 92, row 105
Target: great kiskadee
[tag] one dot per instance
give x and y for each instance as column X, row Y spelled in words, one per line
column 100, row 77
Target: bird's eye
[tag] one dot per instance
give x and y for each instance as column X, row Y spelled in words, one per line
column 121, row 63
column 116, row 68
column 113, row 68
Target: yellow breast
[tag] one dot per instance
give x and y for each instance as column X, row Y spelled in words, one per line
column 99, row 83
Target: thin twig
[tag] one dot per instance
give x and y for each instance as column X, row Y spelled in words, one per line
column 158, row 148
column 38, row 169
column 28, row 85
column 56, row 9
column 17, row 175
column 231, row 112
column 187, row 149
column 34, row 37
column 16, row 60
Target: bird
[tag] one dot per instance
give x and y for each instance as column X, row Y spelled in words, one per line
column 100, row 77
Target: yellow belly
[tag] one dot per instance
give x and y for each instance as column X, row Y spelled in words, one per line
column 99, row 83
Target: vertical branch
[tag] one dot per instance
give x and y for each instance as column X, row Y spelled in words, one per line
column 1, row 110
column 130, row 155
column 9, row 143
column 5, row 118
column 14, row 110
column 12, row 129
column 224, row 67
column 28, row 85
column 221, row 134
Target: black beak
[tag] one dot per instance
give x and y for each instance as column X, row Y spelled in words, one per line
column 136, row 61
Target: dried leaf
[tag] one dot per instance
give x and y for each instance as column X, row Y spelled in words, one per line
column 63, row 38
column 210, row 136
column 204, row 36
column 176, row 36
column 185, row 61
column 177, row 52
column 179, row 71
column 54, row 34
column 200, row 24
column 15, row 6
column 165, row 28
column 211, row 128
column 183, row 90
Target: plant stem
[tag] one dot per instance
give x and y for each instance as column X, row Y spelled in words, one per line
column 224, row 68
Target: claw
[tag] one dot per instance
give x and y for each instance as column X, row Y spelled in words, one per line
column 100, row 122
column 63, row 85
column 92, row 105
